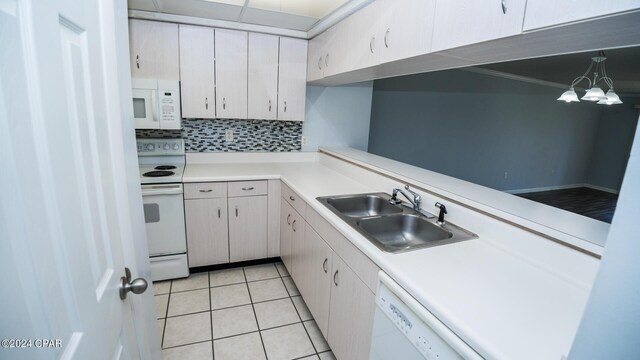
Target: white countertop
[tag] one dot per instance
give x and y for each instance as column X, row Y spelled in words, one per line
column 502, row 305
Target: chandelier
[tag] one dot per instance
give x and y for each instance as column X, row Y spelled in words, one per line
column 594, row 92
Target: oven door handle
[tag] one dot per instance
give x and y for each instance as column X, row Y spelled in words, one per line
column 162, row 189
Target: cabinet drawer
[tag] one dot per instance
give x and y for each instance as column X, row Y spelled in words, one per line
column 293, row 199
column 247, row 188
column 205, row 190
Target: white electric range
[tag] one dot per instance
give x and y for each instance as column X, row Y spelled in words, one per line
column 161, row 164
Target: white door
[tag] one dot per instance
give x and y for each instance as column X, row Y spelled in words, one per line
column 363, row 38
column 407, row 28
column 247, row 228
column 196, row 72
column 231, row 74
column 543, row 13
column 154, row 50
column 71, row 203
column 263, row 76
column 292, row 84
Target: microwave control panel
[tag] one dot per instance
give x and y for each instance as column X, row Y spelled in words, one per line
column 169, row 108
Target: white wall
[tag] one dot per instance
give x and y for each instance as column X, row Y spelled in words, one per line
column 338, row 116
column 610, row 327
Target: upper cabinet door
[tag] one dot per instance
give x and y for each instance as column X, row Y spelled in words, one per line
column 315, row 59
column 292, row 86
column 196, row 71
column 462, row 22
column 543, row 13
column 231, row 74
column 263, row 76
column 407, row 28
column 153, row 47
column 363, row 39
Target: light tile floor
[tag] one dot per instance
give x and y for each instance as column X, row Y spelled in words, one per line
column 244, row 313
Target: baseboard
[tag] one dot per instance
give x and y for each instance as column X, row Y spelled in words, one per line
column 602, row 188
column 561, row 187
column 199, row 269
column 543, row 188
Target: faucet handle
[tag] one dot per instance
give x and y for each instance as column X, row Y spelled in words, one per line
column 415, row 194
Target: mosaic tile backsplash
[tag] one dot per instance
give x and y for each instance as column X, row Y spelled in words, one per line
column 248, row 135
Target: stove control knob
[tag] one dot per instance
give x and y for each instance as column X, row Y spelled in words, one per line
column 149, row 147
column 176, row 146
column 166, row 146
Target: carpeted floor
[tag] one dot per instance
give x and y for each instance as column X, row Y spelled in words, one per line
column 596, row 204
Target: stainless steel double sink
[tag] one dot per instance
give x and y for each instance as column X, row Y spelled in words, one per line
column 393, row 228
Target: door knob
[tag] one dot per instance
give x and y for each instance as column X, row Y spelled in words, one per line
column 137, row 286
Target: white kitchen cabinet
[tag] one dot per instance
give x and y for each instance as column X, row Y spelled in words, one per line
column 247, row 228
column 544, row 13
column 316, row 288
column 363, row 38
column 286, row 213
column 153, row 50
column 231, row 73
column 461, row 22
column 406, row 29
column 263, row 76
column 207, row 231
column 292, row 85
column 351, row 313
column 297, row 247
column 315, row 56
column 197, row 72
column 336, row 49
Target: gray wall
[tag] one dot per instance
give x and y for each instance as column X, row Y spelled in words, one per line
column 477, row 127
column 338, row 116
column 613, row 143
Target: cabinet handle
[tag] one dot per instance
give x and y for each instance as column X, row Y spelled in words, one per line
column 293, row 225
column 269, row 105
column 320, row 63
column 372, row 44
column 247, row 188
column 386, row 38
column 205, row 191
column 285, row 106
column 335, row 277
column 504, row 6
column 138, row 61
column 292, row 198
column 288, row 218
column 219, row 213
column 324, row 265
column 224, row 103
column 236, row 211
column 206, row 103
column 326, row 60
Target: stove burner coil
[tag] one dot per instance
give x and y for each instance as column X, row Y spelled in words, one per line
column 158, row 173
column 165, row 167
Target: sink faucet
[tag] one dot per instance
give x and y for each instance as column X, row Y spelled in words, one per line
column 416, row 202
column 443, row 210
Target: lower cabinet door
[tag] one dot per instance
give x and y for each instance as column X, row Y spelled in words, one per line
column 351, row 313
column 286, row 214
column 316, row 286
column 247, row 228
column 207, row 231
column 297, row 248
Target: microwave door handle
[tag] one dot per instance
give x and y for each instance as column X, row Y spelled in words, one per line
column 154, row 106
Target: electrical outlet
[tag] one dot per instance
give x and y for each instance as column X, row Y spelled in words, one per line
column 228, row 135
column 305, row 140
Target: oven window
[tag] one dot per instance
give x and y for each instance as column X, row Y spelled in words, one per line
column 151, row 213
column 139, row 110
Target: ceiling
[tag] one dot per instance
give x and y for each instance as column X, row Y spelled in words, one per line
column 299, row 15
column 622, row 66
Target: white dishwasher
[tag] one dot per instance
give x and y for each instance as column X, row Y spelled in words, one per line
column 404, row 329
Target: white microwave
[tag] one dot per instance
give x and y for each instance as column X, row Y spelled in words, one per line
column 156, row 104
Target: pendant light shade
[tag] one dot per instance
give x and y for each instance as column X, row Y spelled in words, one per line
column 569, row 96
column 612, row 99
column 594, row 94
